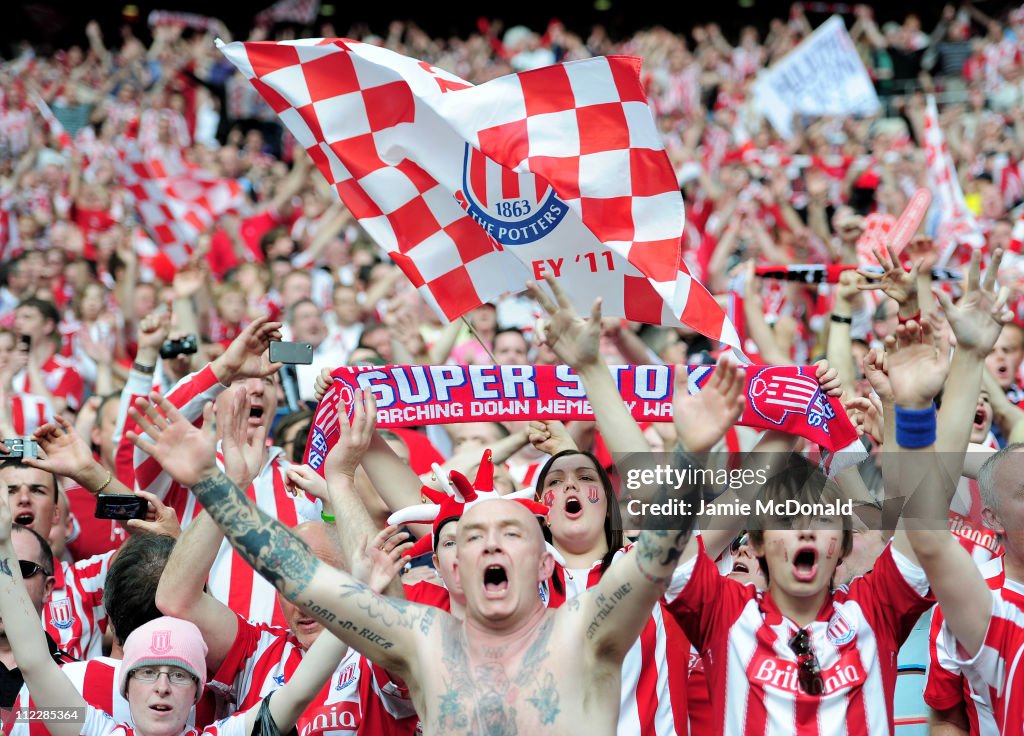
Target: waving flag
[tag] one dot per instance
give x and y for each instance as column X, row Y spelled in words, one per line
column 175, row 200
column 56, row 129
column 555, row 172
column 955, row 224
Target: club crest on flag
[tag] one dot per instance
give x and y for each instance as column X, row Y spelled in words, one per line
column 774, row 397
column 325, row 421
column 161, row 642
column 513, row 209
column 840, row 631
column 62, row 615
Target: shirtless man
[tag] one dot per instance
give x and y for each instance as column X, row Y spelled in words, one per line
column 512, row 666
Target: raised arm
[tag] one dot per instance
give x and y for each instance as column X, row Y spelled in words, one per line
column 577, row 343
column 615, row 611
column 50, row 687
column 385, row 630
column 917, row 372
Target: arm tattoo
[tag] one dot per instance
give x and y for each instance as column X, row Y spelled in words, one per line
column 5, row 567
column 662, row 548
column 605, row 605
column 273, row 551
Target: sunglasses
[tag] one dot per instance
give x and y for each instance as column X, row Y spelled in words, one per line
column 31, row 569
column 739, row 542
column 809, row 673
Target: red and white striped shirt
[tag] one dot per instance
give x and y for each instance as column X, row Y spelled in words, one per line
column 29, row 412
column 61, row 378
column 75, row 616
column 654, row 672
column 359, row 698
column 752, row 672
column 946, row 686
column 998, row 668
column 232, row 580
column 98, row 681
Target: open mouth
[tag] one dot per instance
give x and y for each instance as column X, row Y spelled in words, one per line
column 256, row 415
column 740, row 567
column 307, row 624
column 573, row 507
column 805, row 564
column 25, row 519
column 160, row 708
column 495, row 580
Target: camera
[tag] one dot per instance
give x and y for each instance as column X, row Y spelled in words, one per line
column 18, row 449
column 120, row 507
column 182, row 346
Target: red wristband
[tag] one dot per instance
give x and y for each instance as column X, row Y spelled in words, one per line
column 914, row 317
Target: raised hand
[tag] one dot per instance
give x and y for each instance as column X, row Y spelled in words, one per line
column 323, row 382
column 979, row 316
column 828, row 378
column 188, row 280
column 160, row 519
column 64, row 452
column 187, row 453
column 917, row 366
column 381, row 559
column 550, row 436
column 153, row 329
column 244, row 357
column 849, row 286
column 302, row 478
column 243, row 454
column 702, row 419
column 867, row 416
column 897, row 283
column 877, row 373
column 576, row 342
column 354, row 436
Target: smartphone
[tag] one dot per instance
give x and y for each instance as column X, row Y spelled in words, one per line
column 18, row 449
column 291, row 352
column 120, row 507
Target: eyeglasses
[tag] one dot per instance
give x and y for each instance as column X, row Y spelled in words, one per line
column 809, row 675
column 30, row 569
column 739, row 542
column 180, row 678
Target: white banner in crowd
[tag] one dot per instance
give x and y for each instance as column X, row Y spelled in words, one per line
column 822, row 76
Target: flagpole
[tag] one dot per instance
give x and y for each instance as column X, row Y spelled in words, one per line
column 475, row 334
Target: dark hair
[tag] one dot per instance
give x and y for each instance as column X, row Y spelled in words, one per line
column 612, row 517
column 512, row 331
column 130, row 592
column 281, row 427
column 270, row 236
column 46, row 308
column 45, row 559
column 802, row 481
column 16, row 463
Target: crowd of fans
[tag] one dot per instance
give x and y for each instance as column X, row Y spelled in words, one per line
column 787, row 630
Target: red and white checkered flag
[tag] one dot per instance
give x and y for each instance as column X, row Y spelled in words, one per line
column 474, row 190
column 176, row 201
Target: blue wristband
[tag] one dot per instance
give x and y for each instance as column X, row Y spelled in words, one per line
column 915, row 428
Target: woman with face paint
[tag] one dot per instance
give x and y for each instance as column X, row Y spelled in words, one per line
column 586, row 527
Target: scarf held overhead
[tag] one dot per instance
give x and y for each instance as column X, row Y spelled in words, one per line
column 785, row 398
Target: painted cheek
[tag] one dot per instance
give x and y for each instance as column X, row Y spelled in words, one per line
column 549, row 498
column 593, row 494
column 831, row 549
